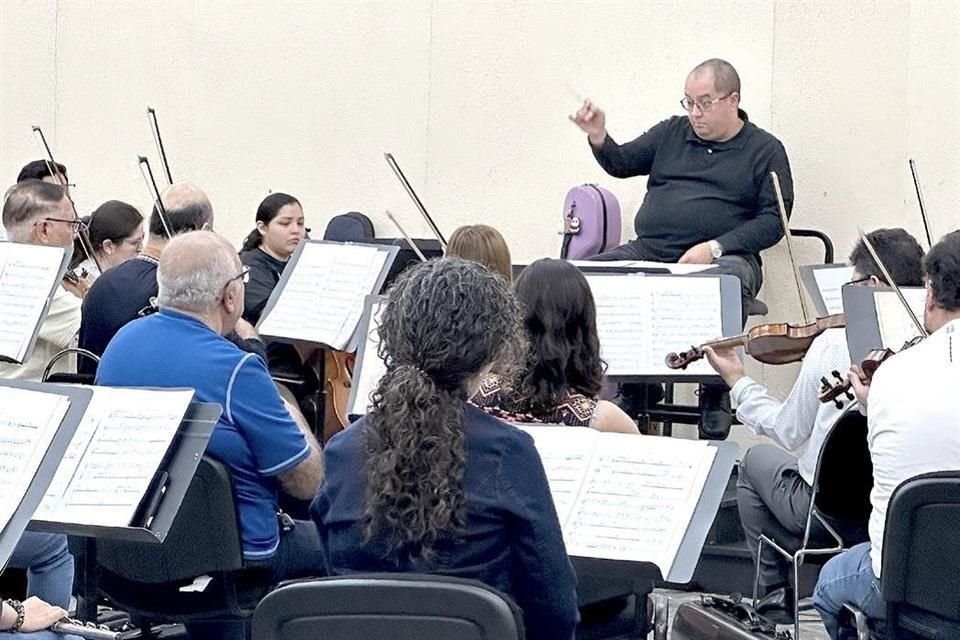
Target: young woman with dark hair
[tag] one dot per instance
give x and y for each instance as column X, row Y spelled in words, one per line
column 427, row 483
column 563, row 373
column 267, row 249
column 116, row 232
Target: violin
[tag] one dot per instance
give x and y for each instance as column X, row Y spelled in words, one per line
column 338, row 380
column 77, row 282
column 772, row 343
column 869, row 365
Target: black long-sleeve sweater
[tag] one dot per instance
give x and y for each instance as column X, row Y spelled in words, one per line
column 700, row 190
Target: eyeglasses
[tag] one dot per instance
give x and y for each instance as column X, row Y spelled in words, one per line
column 80, row 224
column 705, row 104
column 860, row 281
column 243, row 276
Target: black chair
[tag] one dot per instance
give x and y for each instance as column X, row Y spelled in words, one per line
column 145, row 579
column 395, row 606
column 921, row 566
column 63, row 377
column 840, row 502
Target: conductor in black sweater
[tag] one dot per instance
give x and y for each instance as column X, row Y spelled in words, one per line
column 709, row 196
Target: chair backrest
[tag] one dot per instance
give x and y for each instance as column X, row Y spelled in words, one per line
column 844, row 475
column 395, row 606
column 203, row 539
column 921, row 549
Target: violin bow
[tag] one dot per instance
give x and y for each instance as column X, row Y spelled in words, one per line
column 155, row 130
column 52, row 167
column 413, row 196
column 889, row 279
column 923, row 212
column 154, row 192
column 781, row 207
column 406, row 237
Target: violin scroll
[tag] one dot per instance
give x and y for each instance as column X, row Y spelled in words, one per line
column 683, row 359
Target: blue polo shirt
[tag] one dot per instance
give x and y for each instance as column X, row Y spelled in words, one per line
column 255, row 437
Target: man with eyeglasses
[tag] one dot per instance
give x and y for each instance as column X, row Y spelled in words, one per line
column 774, row 487
column 38, row 212
column 709, row 196
column 201, row 298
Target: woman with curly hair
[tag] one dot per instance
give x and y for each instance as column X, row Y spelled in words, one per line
column 564, row 372
column 425, row 482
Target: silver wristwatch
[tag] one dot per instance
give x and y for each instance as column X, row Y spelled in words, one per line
column 716, row 249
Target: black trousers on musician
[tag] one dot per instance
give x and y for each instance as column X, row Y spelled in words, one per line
column 714, row 399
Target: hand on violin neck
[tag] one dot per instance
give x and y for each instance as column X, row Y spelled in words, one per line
column 725, row 362
column 860, row 385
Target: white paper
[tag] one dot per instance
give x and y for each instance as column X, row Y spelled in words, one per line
column 672, row 267
column 323, row 299
column 114, row 455
column 28, row 422
column 623, row 496
column 371, row 367
column 895, row 324
column 641, row 319
column 28, row 275
column 830, row 283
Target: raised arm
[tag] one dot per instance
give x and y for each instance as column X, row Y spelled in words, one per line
column 633, row 158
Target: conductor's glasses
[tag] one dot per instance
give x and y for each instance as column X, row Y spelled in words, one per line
column 705, row 104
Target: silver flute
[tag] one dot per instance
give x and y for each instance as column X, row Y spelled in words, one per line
column 85, row 630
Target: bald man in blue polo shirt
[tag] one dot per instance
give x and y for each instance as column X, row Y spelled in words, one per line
column 201, row 297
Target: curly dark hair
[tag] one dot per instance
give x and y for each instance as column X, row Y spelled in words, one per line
column 446, row 321
column 942, row 268
column 561, row 322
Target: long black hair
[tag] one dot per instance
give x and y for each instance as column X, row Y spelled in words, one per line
column 445, row 322
column 561, row 322
column 266, row 212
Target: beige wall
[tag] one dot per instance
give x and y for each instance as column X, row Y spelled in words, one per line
column 472, row 98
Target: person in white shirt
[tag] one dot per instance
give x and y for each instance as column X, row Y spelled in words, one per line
column 913, row 427
column 38, row 212
column 774, row 486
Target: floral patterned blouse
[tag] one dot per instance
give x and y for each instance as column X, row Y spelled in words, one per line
column 574, row 409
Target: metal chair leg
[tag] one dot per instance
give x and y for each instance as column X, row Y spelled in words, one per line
column 797, row 559
column 756, row 574
column 661, row 615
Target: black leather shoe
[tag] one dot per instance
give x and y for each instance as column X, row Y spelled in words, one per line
column 715, row 415
column 777, row 606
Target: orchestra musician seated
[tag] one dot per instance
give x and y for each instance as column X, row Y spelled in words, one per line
column 912, row 429
column 709, row 198
column 37, row 617
column 484, row 244
column 125, row 292
column 201, row 283
column 427, row 483
column 774, row 487
column 563, row 372
column 40, row 170
column 116, row 234
column 38, row 212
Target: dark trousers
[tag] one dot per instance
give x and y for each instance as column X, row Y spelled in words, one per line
column 773, row 500
column 298, row 556
column 747, row 269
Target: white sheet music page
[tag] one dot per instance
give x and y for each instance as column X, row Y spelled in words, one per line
column 114, row 455
column 323, row 299
column 830, row 283
column 28, row 422
column 371, row 368
column 895, row 324
column 565, row 453
column 640, row 319
column 28, row 275
column 638, row 499
column 673, row 267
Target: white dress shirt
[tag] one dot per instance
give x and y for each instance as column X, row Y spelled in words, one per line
column 913, row 420
column 58, row 331
column 801, row 420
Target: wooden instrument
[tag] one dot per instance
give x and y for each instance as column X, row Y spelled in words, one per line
column 338, row 380
column 773, row 343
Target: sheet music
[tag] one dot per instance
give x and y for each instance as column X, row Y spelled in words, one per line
column 639, row 498
column 672, row 267
column 640, row 319
column 28, row 422
column 623, row 496
column 895, row 324
column 114, row 455
column 830, row 283
column 322, row 300
column 28, row 275
column 371, row 367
